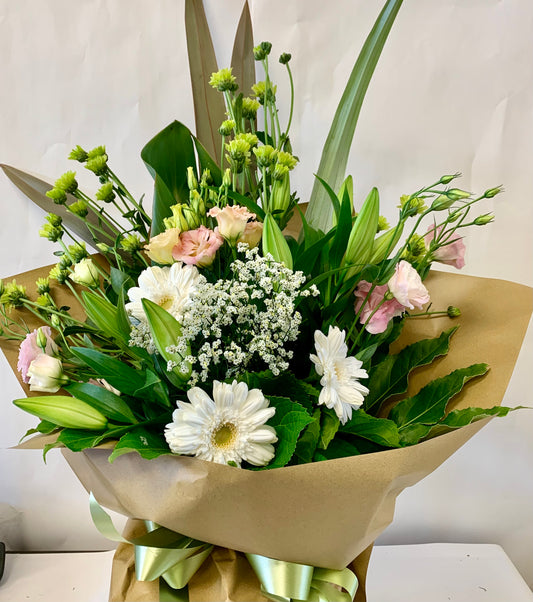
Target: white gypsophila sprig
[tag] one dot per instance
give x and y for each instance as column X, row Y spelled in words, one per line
column 248, row 318
column 229, row 428
column 341, row 389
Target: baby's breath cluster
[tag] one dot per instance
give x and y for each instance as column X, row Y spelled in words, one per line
column 242, row 322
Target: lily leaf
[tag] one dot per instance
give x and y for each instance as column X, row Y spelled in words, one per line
column 336, row 149
column 209, row 108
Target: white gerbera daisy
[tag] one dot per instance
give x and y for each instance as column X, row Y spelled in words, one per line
column 169, row 287
column 341, row 389
column 229, row 429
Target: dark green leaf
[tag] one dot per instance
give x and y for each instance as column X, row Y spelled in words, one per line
column 247, row 202
column 307, row 443
column 147, row 444
column 328, row 428
column 379, row 430
column 120, row 280
column 332, row 196
column 292, row 388
column 390, row 376
column 77, row 440
column 104, row 314
column 338, row 448
column 207, row 162
column 110, row 405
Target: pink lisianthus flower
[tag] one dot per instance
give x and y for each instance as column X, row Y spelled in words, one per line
column 406, row 286
column 252, row 234
column 384, row 313
column 231, row 220
column 30, row 350
column 451, row 253
column 197, row 247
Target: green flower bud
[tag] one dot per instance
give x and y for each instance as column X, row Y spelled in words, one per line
column 238, row 154
column 483, row 220
column 97, row 151
column 98, row 165
column 442, row 202
column 456, row 193
column 13, row 295
column 59, row 274
column 57, row 195
column 65, row 262
column 103, row 248
column 223, row 81
column 45, row 301
column 251, row 139
column 226, row 178
column 50, row 232
column 79, row 208
column 85, row 273
column 54, row 220
column 260, row 90
column 67, row 182
column 106, row 193
column 281, row 191
column 206, row 178
column 226, row 127
column 41, row 340
column 78, row 252
column 447, row 179
column 286, row 159
column 453, row 312
column 183, row 217
column 192, row 182
column 131, row 243
column 415, row 249
column 492, row 192
column 280, row 171
column 250, row 106
column 78, row 154
column 411, row 206
column 262, row 51
column 383, row 224
column 285, row 58
column 266, row 155
column 64, row 411
column 197, row 204
column 43, row 285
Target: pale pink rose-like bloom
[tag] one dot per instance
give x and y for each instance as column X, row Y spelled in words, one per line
column 46, row 374
column 159, row 248
column 385, row 312
column 406, row 286
column 197, row 247
column 451, row 253
column 232, row 220
column 252, row 234
column 29, row 350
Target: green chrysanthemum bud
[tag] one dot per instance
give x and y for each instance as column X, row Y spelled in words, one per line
column 97, row 151
column 411, row 206
column 50, row 232
column 79, row 208
column 456, row 194
column 54, row 220
column 78, row 154
column 483, row 220
column 57, row 195
column 262, row 51
column 98, row 165
column 250, row 106
column 67, row 182
column 251, row 139
column 43, row 285
column 238, row 154
column 65, row 262
column 78, row 251
column 492, row 192
column 280, row 171
column 286, row 159
column 266, row 155
column 106, row 193
column 131, row 243
column 192, row 182
column 223, row 80
column 383, row 224
column 442, row 202
column 453, row 312
column 103, row 248
column 285, row 58
column 13, row 295
column 447, row 179
column 59, row 274
column 45, row 301
column 226, row 127
column 415, row 248
column 260, row 90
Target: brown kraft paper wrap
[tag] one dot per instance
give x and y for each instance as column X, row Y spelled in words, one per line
column 326, row 513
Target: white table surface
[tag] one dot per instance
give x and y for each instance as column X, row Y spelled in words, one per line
column 410, row 573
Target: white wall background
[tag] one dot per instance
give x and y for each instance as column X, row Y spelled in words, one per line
column 453, row 92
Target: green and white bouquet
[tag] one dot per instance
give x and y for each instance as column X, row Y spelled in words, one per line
column 231, row 323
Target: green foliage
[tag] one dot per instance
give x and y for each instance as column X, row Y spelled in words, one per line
column 106, row 317
column 147, row 444
column 378, row 430
column 110, row 405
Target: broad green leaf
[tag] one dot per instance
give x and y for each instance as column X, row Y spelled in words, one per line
column 292, row 387
column 209, row 107
column 338, row 448
column 110, row 405
column 379, row 430
column 328, row 428
column 242, row 58
column 307, row 443
column 105, row 315
column 458, row 418
column 78, row 440
column 428, row 406
column 44, row 427
column 289, row 421
column 205, row 161
column 64, row 411
column 336, row 149
column 390, row 376
column 120, row 280
column 333, row 198
column 306, row 261
column 274, row 242
column 247, row 202
column 147, row 444
column 342, row 231
column 167, row 157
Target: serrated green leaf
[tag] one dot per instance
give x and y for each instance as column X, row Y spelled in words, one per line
column 289, row 421
column 307, row 443
column 329, row 425
column 110, row 405
column 378, row 430
column 147, row 444
column 390, row 376
column 336, row 149
column 428, row 406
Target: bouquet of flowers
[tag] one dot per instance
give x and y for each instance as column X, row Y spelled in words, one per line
column 233, row 331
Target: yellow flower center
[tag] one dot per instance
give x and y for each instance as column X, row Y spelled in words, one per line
column 225, row 434
column 165, row 302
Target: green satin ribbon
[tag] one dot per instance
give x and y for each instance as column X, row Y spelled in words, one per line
column 176, row 558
